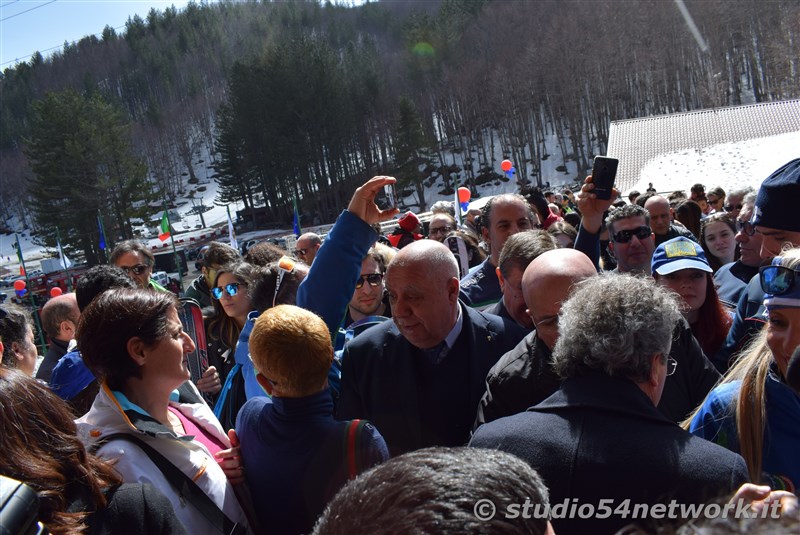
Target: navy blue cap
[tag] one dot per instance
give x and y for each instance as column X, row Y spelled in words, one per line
column 779, row 198
column 677, row 254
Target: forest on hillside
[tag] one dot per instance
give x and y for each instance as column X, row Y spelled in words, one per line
column 304, row 99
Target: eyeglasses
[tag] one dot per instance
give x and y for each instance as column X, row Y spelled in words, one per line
column 440, row 230
column 285, row 265
column 138, row 269
column 777, row 280
column 624, row 236
column 300, row 252
column 672, row 365
column 546, row 323
column 745, row 226
column 731, row 207
column 374, row 279
column 232, row 289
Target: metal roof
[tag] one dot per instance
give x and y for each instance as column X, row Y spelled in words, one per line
column 645, row 142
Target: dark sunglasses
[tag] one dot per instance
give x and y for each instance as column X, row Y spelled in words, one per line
column 232, row 289
column 374, row 279
column 731, row 208
column 745, row 226
column 624, row 236
column 138, row 269
column 777, row 280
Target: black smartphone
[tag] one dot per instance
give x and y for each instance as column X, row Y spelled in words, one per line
column 388, row 191
column 604, row 171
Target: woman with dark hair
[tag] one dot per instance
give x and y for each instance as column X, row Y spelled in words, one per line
column 680, row 265
column 564, row 233
column 16, row 333
column 689, row 214
column 78, row 492
column 134, row 343
column 229, row 297
column 717, row 233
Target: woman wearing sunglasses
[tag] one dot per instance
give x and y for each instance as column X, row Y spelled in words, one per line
column 231, row 307
column 753, row 411
column 680, row 264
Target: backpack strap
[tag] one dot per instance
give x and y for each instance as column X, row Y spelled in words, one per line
column 183, row 484
column 353, row 445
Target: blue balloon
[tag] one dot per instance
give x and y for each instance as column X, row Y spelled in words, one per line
column 21, row 293
column 464, row 206
column 512, row 170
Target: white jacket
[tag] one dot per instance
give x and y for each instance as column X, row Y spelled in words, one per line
column 107, row 417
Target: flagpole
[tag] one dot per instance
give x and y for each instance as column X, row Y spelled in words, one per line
column 174, row 250
column 231, row 232
column 102, row 242
column 42, row 341
column 63, row 259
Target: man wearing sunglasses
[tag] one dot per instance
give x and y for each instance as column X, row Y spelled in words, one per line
column 307, row 246
column 370, row 297
column 732, row 279
column 775, row 221
column 735, row 200
column 136, row 260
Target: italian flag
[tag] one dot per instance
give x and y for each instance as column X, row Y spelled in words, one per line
column 164, row 227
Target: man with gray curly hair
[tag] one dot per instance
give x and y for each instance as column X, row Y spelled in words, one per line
column 600, row 439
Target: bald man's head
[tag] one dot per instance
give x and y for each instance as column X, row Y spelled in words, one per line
column 60, row 317
column 547, row 283
column 660, row 214
column 422, row 282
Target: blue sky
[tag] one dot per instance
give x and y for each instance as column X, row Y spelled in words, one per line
column 30, row 25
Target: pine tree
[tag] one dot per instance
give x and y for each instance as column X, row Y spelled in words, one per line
column 411, row 149
column 81, row 158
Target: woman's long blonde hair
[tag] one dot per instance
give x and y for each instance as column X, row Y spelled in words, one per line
column 752, row 369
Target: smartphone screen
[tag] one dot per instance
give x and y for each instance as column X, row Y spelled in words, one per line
column 604, row 171
column 388, row 191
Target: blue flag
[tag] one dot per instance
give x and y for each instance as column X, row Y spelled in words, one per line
column 296, row 221
column 102, row 236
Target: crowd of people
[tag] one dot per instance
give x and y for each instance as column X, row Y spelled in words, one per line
column 612, row 358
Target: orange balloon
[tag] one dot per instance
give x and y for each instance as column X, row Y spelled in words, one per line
column 19, row 284
column 506, row 165
column 464, row 194
column 55, row 291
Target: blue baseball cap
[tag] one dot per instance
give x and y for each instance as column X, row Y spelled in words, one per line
column 70, row 376
column 677, row 254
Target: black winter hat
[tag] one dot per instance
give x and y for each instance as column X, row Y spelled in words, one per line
column 779, row 199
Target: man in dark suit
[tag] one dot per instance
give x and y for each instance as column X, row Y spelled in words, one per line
column 419, row 378
column 599, row 439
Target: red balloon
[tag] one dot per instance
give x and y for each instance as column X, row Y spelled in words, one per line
column 464, row 194
column 506, row 165
column 19, row 284
column 55, row 291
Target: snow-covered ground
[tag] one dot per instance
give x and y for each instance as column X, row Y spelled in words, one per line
column 726, row 165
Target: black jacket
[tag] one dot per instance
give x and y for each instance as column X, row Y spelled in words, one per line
column 385, row 381
column 524, row 377
column 599, row 438
column 199, row 291
column 54, row 353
